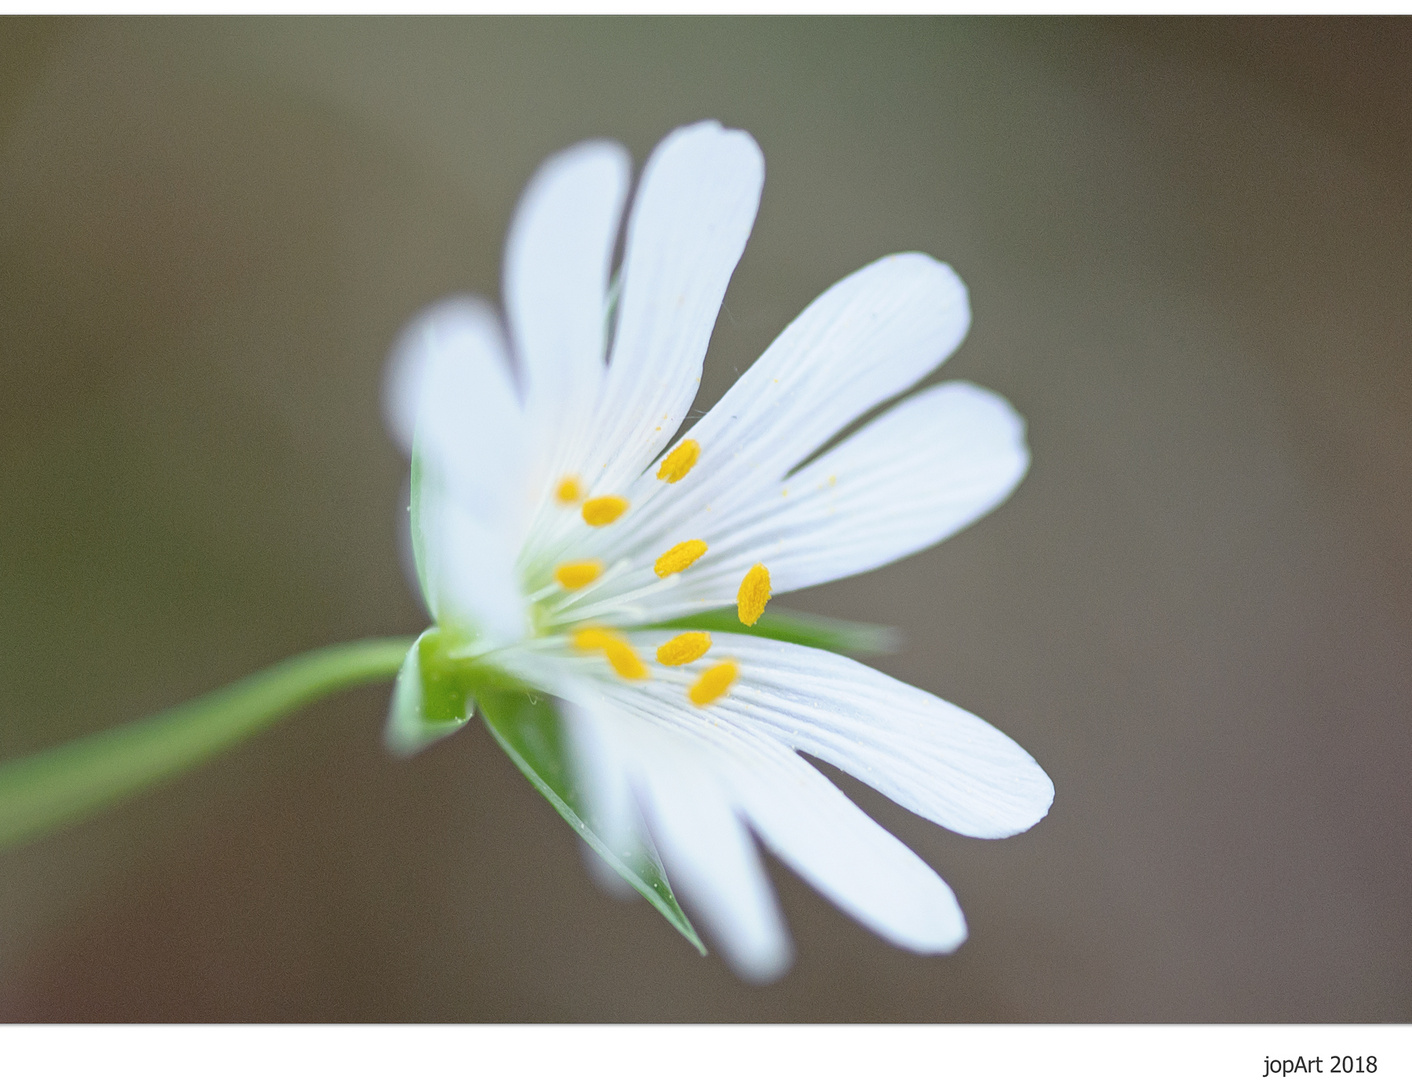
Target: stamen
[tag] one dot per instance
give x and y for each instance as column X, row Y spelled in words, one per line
column 604, row 510
column 753, row 595
column 568, row 490
column 714, row 682
column 622, row 656
column 684, row 648
column 558, row 600
column 679, row 462
column 676, row 559
column 624, row 608
column 575, row 575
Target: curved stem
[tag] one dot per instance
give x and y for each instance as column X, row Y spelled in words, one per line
column 59, row 785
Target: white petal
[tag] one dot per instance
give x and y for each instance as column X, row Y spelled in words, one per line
column 469, row 427
column 402, row 382
column 842, row 852
column 806, row 820
column 602, row 775
column 457, row 331
column 709, row 856
column 469, row 565
column 470, row 439
column 689, row 224
column 928, row 755
column 919, row 473
column 934, row 758
column 557, row 260
column 865, row 340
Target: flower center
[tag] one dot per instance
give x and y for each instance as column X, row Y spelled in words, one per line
column 577, row 575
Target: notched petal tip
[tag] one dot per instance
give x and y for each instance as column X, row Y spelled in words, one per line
column 557, row 256
column 600, row 161
column 936, row 287
column 719, row 139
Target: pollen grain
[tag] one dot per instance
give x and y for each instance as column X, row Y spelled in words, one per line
column 676, row 559
column 684, row 648
column 753, row 595
column 575, row 575
column 604, row 510
column 714, row 682
column 679, row 462
column 568, row 490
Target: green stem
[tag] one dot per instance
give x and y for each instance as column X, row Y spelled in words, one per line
column 59, row 785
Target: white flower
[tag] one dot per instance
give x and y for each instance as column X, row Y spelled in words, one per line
column 550, row 530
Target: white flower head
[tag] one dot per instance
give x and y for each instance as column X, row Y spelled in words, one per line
column 558, row 521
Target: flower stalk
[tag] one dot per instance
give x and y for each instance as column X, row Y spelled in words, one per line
column 57, row 786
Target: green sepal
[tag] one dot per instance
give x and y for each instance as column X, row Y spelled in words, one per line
column 414, row 522
column 797, row 627
column 528, row 729
column 431, row 699
column 436, row 693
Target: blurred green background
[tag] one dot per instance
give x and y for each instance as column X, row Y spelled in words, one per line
column 1189, row 248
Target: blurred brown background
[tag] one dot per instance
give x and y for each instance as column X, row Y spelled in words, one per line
column 1189, row 246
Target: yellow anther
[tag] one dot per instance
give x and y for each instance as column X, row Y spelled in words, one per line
column 622, row 656
column 675, row 560
column 714, row 682
column 575, row 575
column 625, row 660
column 593, row 638
column 684, row 648
column 604, row 510
column 753, row 595
column 679, row 462
column 568, row 490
